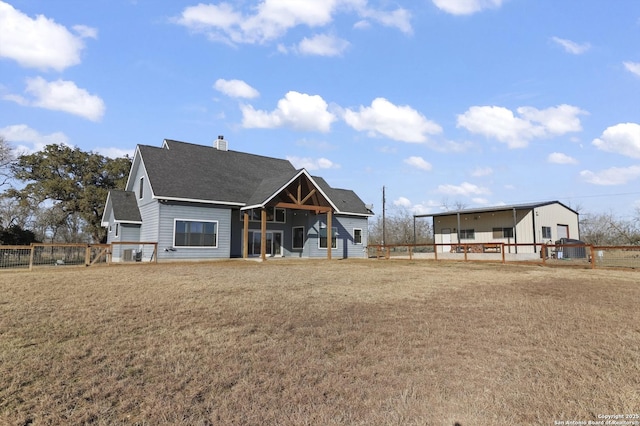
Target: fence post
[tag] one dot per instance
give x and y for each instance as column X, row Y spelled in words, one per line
column 504, row 260
column 435, row 251
column 593, row 257
column 87, row 255
column 33, row 249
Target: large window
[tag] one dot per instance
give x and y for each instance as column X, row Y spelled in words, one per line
column 357, row 236
column 274, row 214
column 467, row 234
column 195, row 234
column 323, row 238
column 298, row 238
column 502, row 232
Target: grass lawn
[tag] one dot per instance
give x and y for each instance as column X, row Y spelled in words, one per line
column 318, row 342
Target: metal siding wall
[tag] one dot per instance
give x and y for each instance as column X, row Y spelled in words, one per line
column 168, row 214
column 554, row 215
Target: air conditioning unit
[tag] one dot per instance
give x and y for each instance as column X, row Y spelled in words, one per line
column 129, row 255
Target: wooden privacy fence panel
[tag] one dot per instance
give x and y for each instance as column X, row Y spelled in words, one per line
column 574, row 255
column 60, row 255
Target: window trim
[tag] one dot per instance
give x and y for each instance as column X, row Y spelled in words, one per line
column 217, row 233
column 354, row 236
column 255, row 215
column 293, row 238
column 334, row 237
column 467, row 234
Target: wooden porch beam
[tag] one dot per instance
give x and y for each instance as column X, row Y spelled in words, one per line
column 263, row 235
column 245, row 234
column 329, row 235
column 320, row 209
column 291, row 196
column 309, row 195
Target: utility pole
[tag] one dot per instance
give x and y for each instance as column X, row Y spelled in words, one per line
column 384, row 221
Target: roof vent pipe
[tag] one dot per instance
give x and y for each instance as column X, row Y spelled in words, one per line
column 220, row 144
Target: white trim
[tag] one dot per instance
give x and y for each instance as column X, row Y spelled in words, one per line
column 194, row 200
column 141, row 188
column 354, row 236
column 320, row 238
column 173, row 242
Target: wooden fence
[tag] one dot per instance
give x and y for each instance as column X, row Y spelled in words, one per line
column 59, row 255
column 574, row 255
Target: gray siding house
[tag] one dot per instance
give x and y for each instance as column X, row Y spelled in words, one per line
column 207, row 202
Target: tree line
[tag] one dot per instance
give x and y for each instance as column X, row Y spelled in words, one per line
column 58, row 194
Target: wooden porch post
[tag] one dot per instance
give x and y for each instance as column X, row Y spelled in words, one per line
column 245, row 235
column 263, row 234
column 329, row 235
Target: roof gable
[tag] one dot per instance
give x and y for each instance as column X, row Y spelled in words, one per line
column 124, row 206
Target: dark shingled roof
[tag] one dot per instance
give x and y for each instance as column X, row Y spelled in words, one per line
column 125, row 207
column 181, row 170
column 196, row 172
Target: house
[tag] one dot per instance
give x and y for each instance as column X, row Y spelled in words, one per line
column 534, row 223
column 208, row 202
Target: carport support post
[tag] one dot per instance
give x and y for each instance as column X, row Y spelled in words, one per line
column 245, row 235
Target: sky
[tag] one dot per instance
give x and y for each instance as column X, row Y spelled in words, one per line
column 443, row 103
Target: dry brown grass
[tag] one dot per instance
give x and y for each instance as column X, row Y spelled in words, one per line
column 317, row 342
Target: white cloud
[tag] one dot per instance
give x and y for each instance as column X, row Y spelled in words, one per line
column 272, row 19
column 612, row 176
column 623, row 138
column 401, row 123
column 482, row 171
column 633, row 67
column 40, row 42
column 560, row 158
column 322, row 45
column 312, row 163
column 402, row 202
column 465, row 188
column 502, row 124
column 235, row 88
column 418, row 163
column 466, row 7
column 26, row 140
column 61, row 95
column 296, row 110
column 571, row 46
column 115, row 152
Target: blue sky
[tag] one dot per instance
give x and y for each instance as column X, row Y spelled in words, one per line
column 443, row 102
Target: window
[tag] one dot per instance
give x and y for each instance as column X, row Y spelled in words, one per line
column 117, row 228
column 357, row 236
column 141, row 188
column 323, row 238
column 274, row 214
column 502, row 232
column 546, row 232
column 467, row 234
column 195, row 234
column 298, row 237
